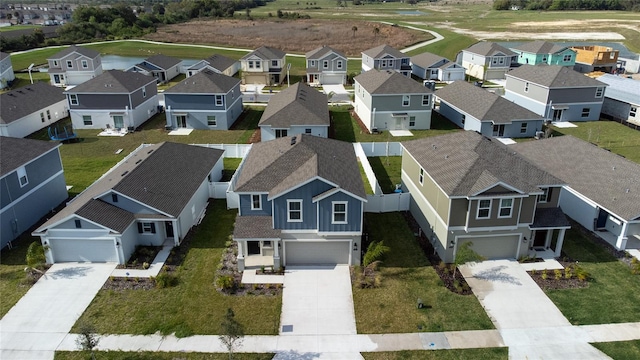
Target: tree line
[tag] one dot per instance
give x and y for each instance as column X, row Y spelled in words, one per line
column 625, row 5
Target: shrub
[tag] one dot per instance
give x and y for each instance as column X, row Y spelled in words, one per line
column 558, row 274
column 165, row 280
column 533, row 272
column 225, row 282
column 544, row 274
column 442, row 265
column 145, row 265
column 582, row 274
column 568, row 273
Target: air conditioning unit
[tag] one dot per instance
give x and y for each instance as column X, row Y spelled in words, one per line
column 539, row 135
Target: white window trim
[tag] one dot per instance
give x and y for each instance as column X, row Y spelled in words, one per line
column 22, row 173
column 339, row 64
column 85, row 64
column 500, row 216
column 478, row 208
column 408, row 98
column 84, row 121
column 526, row 87
column 427, row 98
column 325, row 64
column 333, row 212
column 219, row 100
column 144, row 91
column 70, row 64
column 543, row 199
column 523, row 128
column 147, row 228
column 290, row 201
column 258, row 64
column 55, row 63
column 421, row 176
column 73, row 99
column 215, row 120
column 600, row 90
column 259, row 207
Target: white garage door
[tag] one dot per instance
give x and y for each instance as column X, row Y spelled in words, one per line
column 316, row 253
column 332, row 79
column 498, row 247
column 83, row 250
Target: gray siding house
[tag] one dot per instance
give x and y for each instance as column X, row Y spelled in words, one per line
column 556, row 92
column 384, row 57
column 487, row 60
column 264, row 65
column 473, row 108
column 386, row 100
column 206, row 100
column 31, row 184
column 6, row 70
column 161, row 67
column 299, row 109
column 326, row 66
column 217, row 63
column 622, row 98
column 428, row 66
column 301, row 203
column 152, row 198
column 74, row 65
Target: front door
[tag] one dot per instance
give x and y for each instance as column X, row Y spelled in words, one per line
column 56, row 79
column 253, row 247
column 498, row 130
column 181, row 120
column 399, row 123
column 168, row 227
column 118, row 121
column 540, row 238
column 557, row 115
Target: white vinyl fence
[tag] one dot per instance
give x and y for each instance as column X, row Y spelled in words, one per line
column 387, row 202
column 368, row 170
column 382, row 148
column 230, row 150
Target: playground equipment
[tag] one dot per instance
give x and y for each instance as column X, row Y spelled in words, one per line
column 61, row 134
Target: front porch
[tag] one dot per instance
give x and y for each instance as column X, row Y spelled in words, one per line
column 630, row 242
column 258, row 243
column 547, row 223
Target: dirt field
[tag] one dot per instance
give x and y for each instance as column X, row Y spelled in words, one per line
column 297, row 36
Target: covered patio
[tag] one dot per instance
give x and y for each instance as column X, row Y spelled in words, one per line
column 546, row 223
column 258, row 243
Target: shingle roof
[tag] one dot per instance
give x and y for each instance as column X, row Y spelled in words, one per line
column 540, row 47
column 162, row 61
column 598, row 174
column 299, row 104
column 276, row 166
column 426, row 60
column 90, row 53
column 255, row 227
column 219, row 62
column 28, row 99
column 553, row 76
column 320, row 52
column 377, row 81
column 378, row 51
column 3, row 55
column 105, row 214
column 482, row 104
column 549, row 218
column 488, row 48
column 266, row 53
column 621, row 89
column 15, row 152
column 465, row 163
column 205, row 82
column 114, row 81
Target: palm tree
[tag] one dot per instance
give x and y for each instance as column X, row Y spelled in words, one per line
column 376, row 31
column 354, row 29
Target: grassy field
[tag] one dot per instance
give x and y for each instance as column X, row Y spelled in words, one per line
column 13, row 284
column 122, row 355
column 388, row 170
column 620, row 350
column 18, row 27
column 457, row 354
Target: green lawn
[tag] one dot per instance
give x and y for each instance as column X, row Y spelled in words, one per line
column 18, row 27
column 193, row 306
column 457, row 354
column 122, row 355
column 408, row 276
column 620, row 350
column 388, row 170
column 13, row 284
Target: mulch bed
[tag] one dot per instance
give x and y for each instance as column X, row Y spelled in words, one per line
column 229, row 267
column 142, row 255
column 129, row 283
column 551, row 283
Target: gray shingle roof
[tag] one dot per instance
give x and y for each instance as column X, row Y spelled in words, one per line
column 28, row 99
column 276, row 166
column 377, row 81
column 598, row 174
column 381, row 50
column 255, row 227
column 15, row 152
column 427, row 60
column 266, row 53
column 90, row 53
column 465, row 163
column 105, row 214
column 299, row 104
column 320, row 52
column 621, row 89
column 549, row 218
column 553, row 76
column 219, row 62
column 3, row 55
column 162, row 61
column 482, row 104
column 205, row 82
column 540, row 47
column 488, row 48
column 114, row 81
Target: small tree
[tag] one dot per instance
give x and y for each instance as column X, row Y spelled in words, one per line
column 87, row 340
column 376, row 32
column 354, row 29
column 35, row 257
column 466, row 254
column 232, row 332
column 375, row 252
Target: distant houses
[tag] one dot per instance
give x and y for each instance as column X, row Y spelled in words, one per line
column 622, row 98
column 161, row 67
column 264, row 65
column 74, row 65
column 217, row 63
column 544, row 52
column 428, row 66
column 595, row 58
column 385, row 57
column 326, row 66
column 487, row 60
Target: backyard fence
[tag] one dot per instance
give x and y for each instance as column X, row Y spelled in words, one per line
column 387, row 202
column 381, row 148
column 230, row 150
column 368, row 170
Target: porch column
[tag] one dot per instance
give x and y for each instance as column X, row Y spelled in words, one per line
column 559, row 242
column 276, row 255
column 176, row 233
column 241, row 250
column 621, row 242
column 547, row 242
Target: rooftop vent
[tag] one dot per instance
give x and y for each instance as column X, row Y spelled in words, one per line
column 293, row 140
column 150, row 151
column 125, row 173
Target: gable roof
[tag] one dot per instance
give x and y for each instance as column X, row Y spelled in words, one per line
column 598, row 174
column 205, row 82
column 220, row 62
column 465, row 163
column 426, row 60
column 381, row 50
column 16, row 152
column 482, row 104
column 320, row 52
column 114, row 81
column 540, row 47
column 276, row 166
column 621, row 89
column 90, row 53
column 162, row 61
column 28, row 99
column 488, row 48
column 107, row 215
column 266, row 53
column 299, row 104
column 377, row 81
column 553, row 76
column 4, row 55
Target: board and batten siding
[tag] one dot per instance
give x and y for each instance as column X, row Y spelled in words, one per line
column 245, row 206
column 438, row 199
column 309, row 208
column 354, row 214
column 493, row 220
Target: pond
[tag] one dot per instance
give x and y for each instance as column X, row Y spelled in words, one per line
column 117, row 62
column 411, row 12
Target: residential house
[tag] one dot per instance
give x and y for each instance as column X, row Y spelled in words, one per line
column 153, row 197
column 115, row 99
column 595, row 58
column 384, row 99
column 218, row 63
column 161, row 67
column 428, row 66
column 601, row 190
column 622, row 98
column 544, row 52
column 555, row 92
column 32, row 184
column 6, row 70
column 207, row 100
column 473, row 108
column 265, row 65
column 326, row 66
column 74, row 65
column 468, row 188
column 384, row 57
column 487, row 60
column 31, row 108
column 299, row 109
column 301, row 203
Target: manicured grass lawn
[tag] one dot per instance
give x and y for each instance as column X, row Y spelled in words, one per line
column 612, row 295
column 457, row 354
column 407, row 276
column 122, row 355
column 12, row 276
column 193, row 306
column 388, row 171
column 620, row 350
column 172, row 82
column 448, row 47
column 367, row 184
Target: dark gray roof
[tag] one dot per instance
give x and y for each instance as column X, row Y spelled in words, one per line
column 266, row 53
column 385, row 82
column 299, row 104
column 320, row 52
column 553, row 76
column 549, row 218
column 3, row 55
column 220, row 62
column 276, row 166
column 107, row 215
column 162, row 61
column 205, row 82
column 427, row 60
column 482, row 104
column 540, row 47
column 114, row 81
column 255, row 227
column 90, row 53
column 466, row 163
column 381, row 50
column 16, row 152
column 488, row 48
column 608, row 179
column 18, row 103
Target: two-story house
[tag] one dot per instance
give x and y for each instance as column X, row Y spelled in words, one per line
column 6, row 70
column 544, row 52
column 557, row 93
column 384, row 57
column 114, row 100
column 487, row 60
column 428, row 66
column 301, row 203
column 161, row 67
column 386, row 100
column 622, row 98
column 74, row 65
column 207, row 100
column 468, row 188
column 153, row 197
column 218, row 63
column 31, row 184
column 476, row 109
column 264, row 65
column 299, row 109
column 326, row 66
column 595, row 58
column 30, row 108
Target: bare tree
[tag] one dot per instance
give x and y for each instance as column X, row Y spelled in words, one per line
column 376, row 32
column 354, row 29
column 232, row 332
column 87, row 340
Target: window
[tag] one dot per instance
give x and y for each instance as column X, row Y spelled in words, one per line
column 523, row 128
column 258, row 64
column 144, row 92
column 633, row 111
column 412, row 121
column 567, row 58
column 463, row 118
column 22, row 176
column 544, row 59
column 312, row 63
column 70, row 64
column 339, row 214
column 383, row 63
column 267, row 244
column 78, row 224
column 546, row 195
column 506, row 206
column 55, row 63
column 421, row 176
column 211, row 120
column 526, row 87
column 146, row 228
column 114, row 197
column 48, row 114
column 274, row 63
column 405, row 100
column 585, row 112
column 256, row 202
column 307, row 131
column 404, row 61
column 86, row 119
column 612, row 55
column 494, row 61
column 599, row 92
column 85, row 64
column 294, row 210
column 73, row 99
column 425, row 100
column 325, row 64
column 250, row 63
column 484, row 209
column 501, row 61
column 339, row 64
column 281, row 133
column 42, row 117
column 219, row 100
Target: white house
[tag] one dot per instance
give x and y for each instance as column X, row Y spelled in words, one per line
column 74, row 65
column 6, row 70
column 622, row 98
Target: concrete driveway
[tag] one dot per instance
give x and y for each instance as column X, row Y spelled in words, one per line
column 38, row 323
column 340, row 94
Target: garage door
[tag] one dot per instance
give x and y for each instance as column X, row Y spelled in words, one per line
column 83, row 250
column 498, row 247
column 332, row 79
column 254, row 79
column 316, row 253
